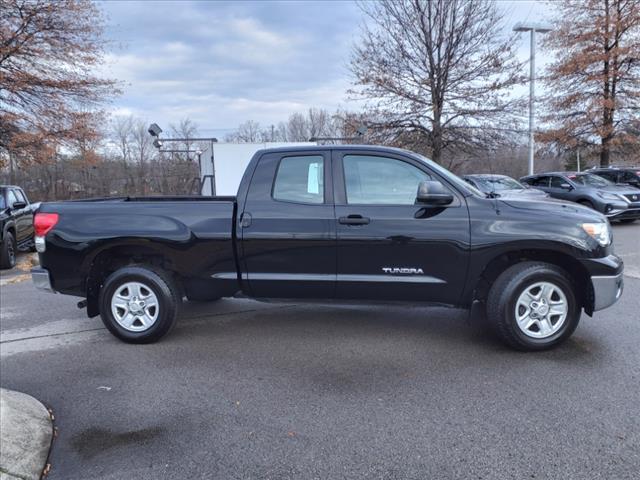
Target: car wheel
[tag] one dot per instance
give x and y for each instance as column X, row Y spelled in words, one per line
column 532, row 306
column 8, row 252
column 628, row 220
column 139, row 304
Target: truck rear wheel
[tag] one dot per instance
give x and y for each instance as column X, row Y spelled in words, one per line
column 139, row 303
column 532, row 306
column 8, row 251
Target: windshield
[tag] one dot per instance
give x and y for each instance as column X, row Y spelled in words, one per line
column 451, row 177
column 590, row 180
column 497, row 184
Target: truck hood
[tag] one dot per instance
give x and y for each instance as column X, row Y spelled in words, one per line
column 553, row 206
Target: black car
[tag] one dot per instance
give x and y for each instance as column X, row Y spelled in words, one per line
column 628, row 175
column 617, row 202
column 341, row 223
column 502, row 185
column 16, row 224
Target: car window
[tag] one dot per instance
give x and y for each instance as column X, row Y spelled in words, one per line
column 556, row 182
column 300, row 179
column 629, row 177
column 11, row 198
column 611, row 176
column 539, row 182
column 590, row 180
column 381, row 181
column 3, row 205
column 495, row 184
column 19, row 195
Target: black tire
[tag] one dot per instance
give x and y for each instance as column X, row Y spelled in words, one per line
column 587, row 204
column 152, row 279
column 627, row 220
column 503, row 297
column 8, row 252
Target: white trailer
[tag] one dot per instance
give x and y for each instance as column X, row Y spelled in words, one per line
column 221, row 170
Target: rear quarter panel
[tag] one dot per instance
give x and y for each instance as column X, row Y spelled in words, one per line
column 194, row 239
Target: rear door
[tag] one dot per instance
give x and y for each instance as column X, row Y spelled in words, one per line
column 24, row 217
column 287, row 227
column 390, row 248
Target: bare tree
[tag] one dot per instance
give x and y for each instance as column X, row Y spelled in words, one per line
column 435, row 73
column 247, row 132
column 48, row 53
column 595, row 78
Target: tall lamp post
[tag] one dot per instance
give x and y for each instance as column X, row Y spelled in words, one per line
column 532, row 27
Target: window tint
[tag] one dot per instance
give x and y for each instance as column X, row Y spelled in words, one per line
column 19, row 196
column 556, row 182
column 11, row 198
column 300, row 179
column 539, row 182
column 611, row 176
column 628, row 177
column 381, row 180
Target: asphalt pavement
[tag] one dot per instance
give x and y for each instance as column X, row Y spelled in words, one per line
column 246, row 390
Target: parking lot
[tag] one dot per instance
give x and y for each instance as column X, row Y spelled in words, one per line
column 242, row 389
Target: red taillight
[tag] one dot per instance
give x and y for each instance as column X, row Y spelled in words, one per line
column 43, row 222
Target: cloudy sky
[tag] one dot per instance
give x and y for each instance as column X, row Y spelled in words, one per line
column 222, row 63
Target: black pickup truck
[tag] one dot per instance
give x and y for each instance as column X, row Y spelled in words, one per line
column 16, row 224
column 337, row 223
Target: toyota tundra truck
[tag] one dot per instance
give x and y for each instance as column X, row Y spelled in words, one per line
column 334, row 223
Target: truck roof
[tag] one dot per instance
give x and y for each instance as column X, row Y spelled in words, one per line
column 315, row 148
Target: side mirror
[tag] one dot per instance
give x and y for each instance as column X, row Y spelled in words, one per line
column 18, row 205
column 432, row 192
column 566, row 186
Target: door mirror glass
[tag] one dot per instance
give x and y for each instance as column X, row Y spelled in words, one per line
column 566, row 186
column 18, row 205
column 432, row 192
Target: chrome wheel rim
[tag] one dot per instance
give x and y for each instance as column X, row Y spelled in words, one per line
column 541, row 310
column 135, row 306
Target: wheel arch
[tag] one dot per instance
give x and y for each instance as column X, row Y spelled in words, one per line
column 499, row 263
column 113, row 256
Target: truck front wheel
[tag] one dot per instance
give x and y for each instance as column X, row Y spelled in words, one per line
column 532, row 306
column 139, row 304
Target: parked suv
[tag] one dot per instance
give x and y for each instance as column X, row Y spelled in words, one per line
column 16, row 224
column 630, row 175
column 502, row 186
column 617, row 202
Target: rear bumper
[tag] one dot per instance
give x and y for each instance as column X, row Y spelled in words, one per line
column 41, row 279
column 606, row 290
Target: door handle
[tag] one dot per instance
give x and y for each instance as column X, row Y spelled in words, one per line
column 353, row 220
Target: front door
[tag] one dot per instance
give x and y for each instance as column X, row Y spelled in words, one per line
column 390, row 247
column 287, row 227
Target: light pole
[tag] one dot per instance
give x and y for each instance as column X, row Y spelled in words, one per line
column 532, row 27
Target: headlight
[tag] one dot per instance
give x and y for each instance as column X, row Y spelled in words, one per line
column 599, row 232
column 608, row 196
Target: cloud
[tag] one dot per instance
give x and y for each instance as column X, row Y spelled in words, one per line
column 222, row 63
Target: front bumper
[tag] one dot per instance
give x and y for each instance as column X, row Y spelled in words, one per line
column 606, row 290
column 41, row 279
column 631, row 212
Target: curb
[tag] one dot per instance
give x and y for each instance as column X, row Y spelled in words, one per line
column 26, row 431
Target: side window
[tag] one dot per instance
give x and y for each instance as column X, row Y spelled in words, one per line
column 380, row 180
column 540, row 182
column 628, row 177
column 608, row 175
column 19, row 196
column 300, row 179
column 11, row 198
column 556, row 182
